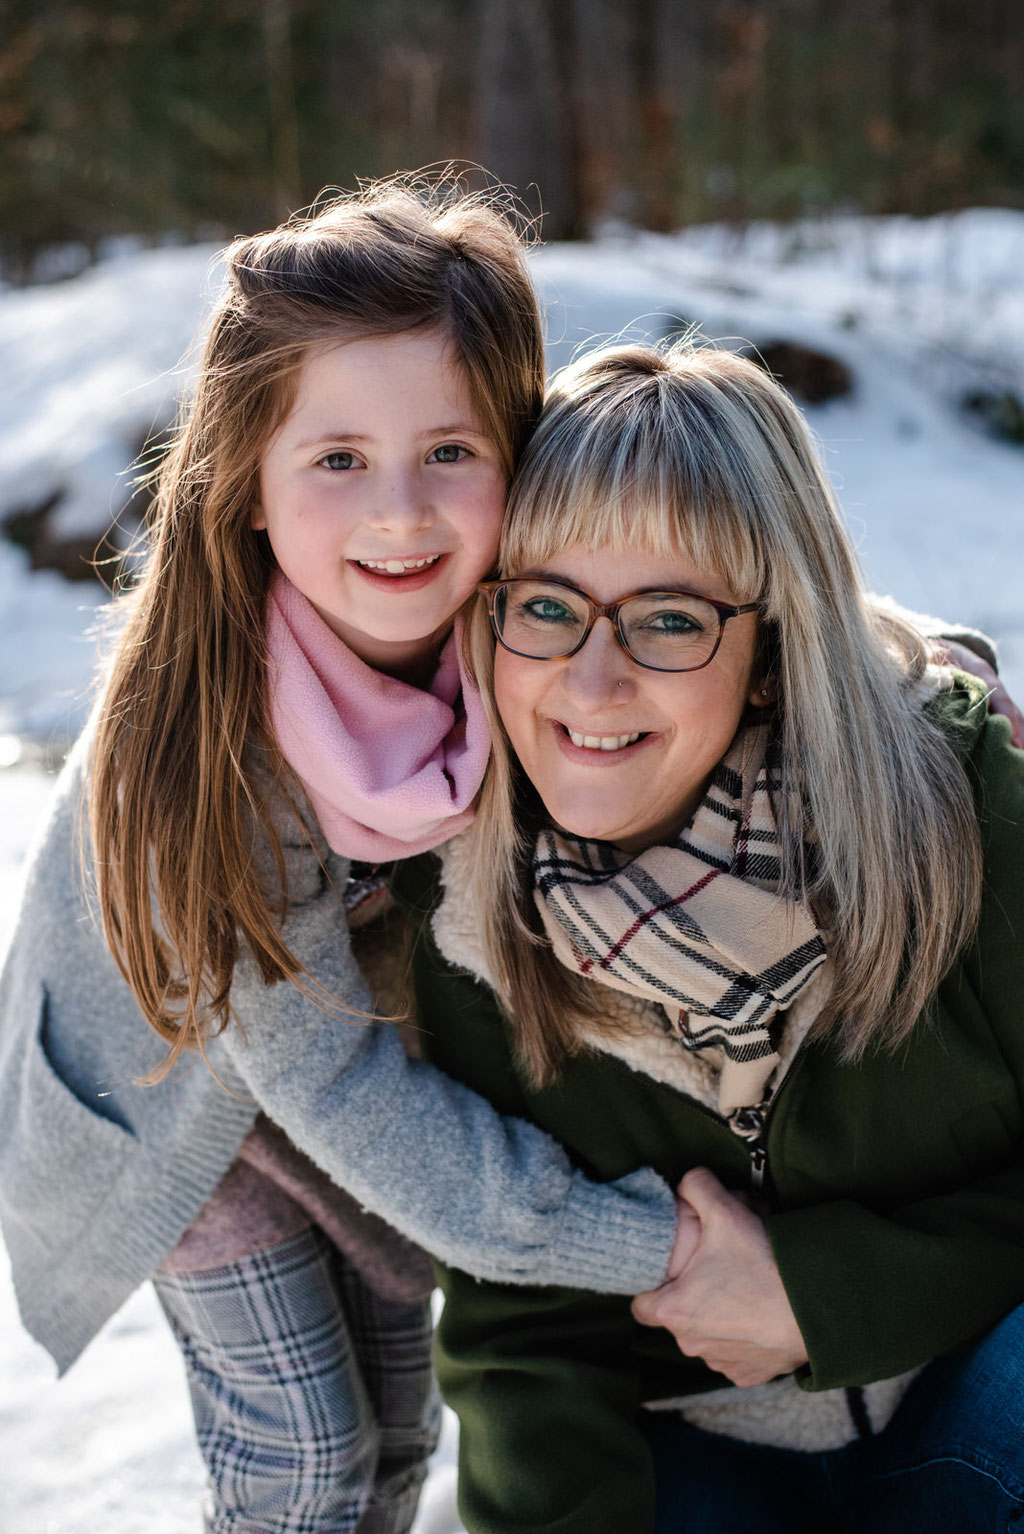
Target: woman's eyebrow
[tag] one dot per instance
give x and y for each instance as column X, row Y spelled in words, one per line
column 539, row 573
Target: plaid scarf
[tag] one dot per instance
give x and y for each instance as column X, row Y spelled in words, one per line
column 697, row 926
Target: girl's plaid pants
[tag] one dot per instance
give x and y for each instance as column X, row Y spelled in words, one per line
column 314, row 1400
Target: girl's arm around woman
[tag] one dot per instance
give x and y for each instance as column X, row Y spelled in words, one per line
column 491, row 1195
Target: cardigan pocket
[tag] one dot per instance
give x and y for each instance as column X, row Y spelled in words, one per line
column 59, row 1158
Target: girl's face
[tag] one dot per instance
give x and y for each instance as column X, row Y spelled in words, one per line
column 678, row 725
column 382, row 495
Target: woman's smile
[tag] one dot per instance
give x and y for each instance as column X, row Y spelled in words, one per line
column 594, row 749
column 619, row 752
column 587, row 740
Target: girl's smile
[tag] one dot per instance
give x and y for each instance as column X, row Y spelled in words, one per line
column 382, row 495
column 400, row 575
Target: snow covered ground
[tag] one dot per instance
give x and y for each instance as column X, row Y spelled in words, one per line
column 920, row 311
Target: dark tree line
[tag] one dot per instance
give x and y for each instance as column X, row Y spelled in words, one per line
column 121, row 116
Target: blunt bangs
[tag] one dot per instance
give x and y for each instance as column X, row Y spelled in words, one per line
column 653, row 461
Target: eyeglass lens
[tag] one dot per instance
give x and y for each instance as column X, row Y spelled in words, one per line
column 544, row 621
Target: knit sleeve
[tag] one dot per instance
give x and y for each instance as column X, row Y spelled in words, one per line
column 940, row 628
column 492, row 1195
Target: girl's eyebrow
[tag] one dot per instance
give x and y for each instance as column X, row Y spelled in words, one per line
column 459, row 429
column 331, row 436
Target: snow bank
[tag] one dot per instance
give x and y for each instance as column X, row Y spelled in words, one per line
column 920, row 311
column 88, row 368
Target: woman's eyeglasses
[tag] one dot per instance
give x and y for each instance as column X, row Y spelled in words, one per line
column 547, row 619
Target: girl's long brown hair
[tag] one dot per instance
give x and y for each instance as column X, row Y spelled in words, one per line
column 179, row 821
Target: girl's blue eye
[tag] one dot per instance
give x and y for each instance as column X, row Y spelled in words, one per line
column 450, row 452
column 338, row 460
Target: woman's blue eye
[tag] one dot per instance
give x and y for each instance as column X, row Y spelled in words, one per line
column 338, row 460
column 449, row 453
column 672, row 623
column 547, row 610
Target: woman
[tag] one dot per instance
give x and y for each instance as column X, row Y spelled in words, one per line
column 746, row 882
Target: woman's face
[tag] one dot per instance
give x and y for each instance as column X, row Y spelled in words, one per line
column 641, row 793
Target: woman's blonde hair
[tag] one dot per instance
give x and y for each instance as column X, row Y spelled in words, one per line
column 695, row 450
column 175, row 815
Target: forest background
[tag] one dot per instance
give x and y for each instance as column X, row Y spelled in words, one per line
column 198, row 121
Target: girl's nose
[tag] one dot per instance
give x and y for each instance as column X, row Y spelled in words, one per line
column 402, row 506
column 601, row 669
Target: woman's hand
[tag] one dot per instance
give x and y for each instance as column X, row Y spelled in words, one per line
column 947, row 652
column 727, row 1304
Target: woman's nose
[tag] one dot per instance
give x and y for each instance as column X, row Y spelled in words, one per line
column 601, row 669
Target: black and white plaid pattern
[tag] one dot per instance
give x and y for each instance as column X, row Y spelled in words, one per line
column 697, row 926
column 314, row 1399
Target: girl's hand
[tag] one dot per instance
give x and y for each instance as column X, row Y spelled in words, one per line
column 727, row 1304
column 946, row 652
column 685, row 1244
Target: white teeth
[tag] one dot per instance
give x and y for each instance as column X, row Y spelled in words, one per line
column 398, row 566
column 602, row 742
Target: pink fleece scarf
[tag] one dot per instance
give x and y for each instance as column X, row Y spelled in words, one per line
column 390, row 769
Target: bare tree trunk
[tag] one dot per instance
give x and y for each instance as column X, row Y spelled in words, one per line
column 526, row 131
column 284, row 124
column 608, row 107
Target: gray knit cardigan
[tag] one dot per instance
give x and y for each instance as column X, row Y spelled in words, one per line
column 99, row 1176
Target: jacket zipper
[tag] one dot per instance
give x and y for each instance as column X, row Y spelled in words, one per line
column 750, row 1125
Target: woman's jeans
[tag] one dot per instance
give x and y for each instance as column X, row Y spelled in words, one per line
column 952, row 1458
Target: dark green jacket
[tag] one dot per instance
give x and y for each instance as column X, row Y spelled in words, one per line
column 897, row 1207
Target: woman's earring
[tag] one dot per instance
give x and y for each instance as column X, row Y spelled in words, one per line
column 764, row 692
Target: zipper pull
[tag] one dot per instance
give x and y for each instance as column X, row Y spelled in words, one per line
column 748, row 1124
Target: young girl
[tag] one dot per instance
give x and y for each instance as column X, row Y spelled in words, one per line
column 287, row 694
